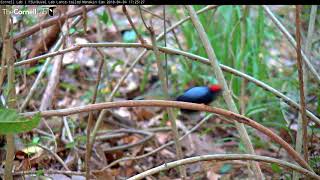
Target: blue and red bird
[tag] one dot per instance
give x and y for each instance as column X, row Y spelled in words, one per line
column 200, row 95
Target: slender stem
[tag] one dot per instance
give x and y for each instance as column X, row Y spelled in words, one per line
column 224, row 157
column 8, row 56
column 89, row 145
column 226, row 92
column 299, row 136
column 56, row 156
column 301, row 86
column 23, row 173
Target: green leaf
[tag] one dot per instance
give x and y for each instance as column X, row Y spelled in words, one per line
column 73, row 67
column 276, row 168
column 35, row 140
column 117, row 63
column 40, row 172
column 68, row 86
column 70, row 145
column 129, row 36
column 103, row 17
column 33, row 70
column 225, row 168
column 11, row 122
column 72, row 30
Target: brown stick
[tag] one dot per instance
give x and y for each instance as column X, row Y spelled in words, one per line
column 182, row 105
column 302, row 98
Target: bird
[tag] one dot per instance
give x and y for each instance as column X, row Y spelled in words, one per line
column 200, row 95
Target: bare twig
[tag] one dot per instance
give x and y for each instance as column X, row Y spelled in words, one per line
column 181, row 105
column 142, row 18
column 224, row 157
column 22, row 173
column 301, row 86
column 55, row 155
column 148, row 136
column 90, row 118
column 67, row 128
column 226, row 92
column 300, row 129
column 7, row 55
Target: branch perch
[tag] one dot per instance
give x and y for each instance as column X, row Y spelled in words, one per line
column 182, row 105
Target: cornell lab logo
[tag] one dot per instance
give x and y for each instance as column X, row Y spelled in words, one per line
column 51, row 11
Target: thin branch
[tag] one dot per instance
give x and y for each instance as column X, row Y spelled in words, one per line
column 301, row 86
column 22, row 173
column 225, row 157
column 7, row 55
column 299, row 136
column 90, row 118
column 148, row 136
column 176, row 104
column 292, row 41
column 142, row 18
column 67, row 128
column 55, row 155
column 226, row 92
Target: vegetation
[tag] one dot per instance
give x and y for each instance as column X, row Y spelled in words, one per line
column 58, row 76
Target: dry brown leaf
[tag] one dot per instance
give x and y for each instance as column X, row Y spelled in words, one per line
column 143, row 113
column 106, row 174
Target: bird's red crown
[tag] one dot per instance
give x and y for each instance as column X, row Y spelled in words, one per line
column 215, row 88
